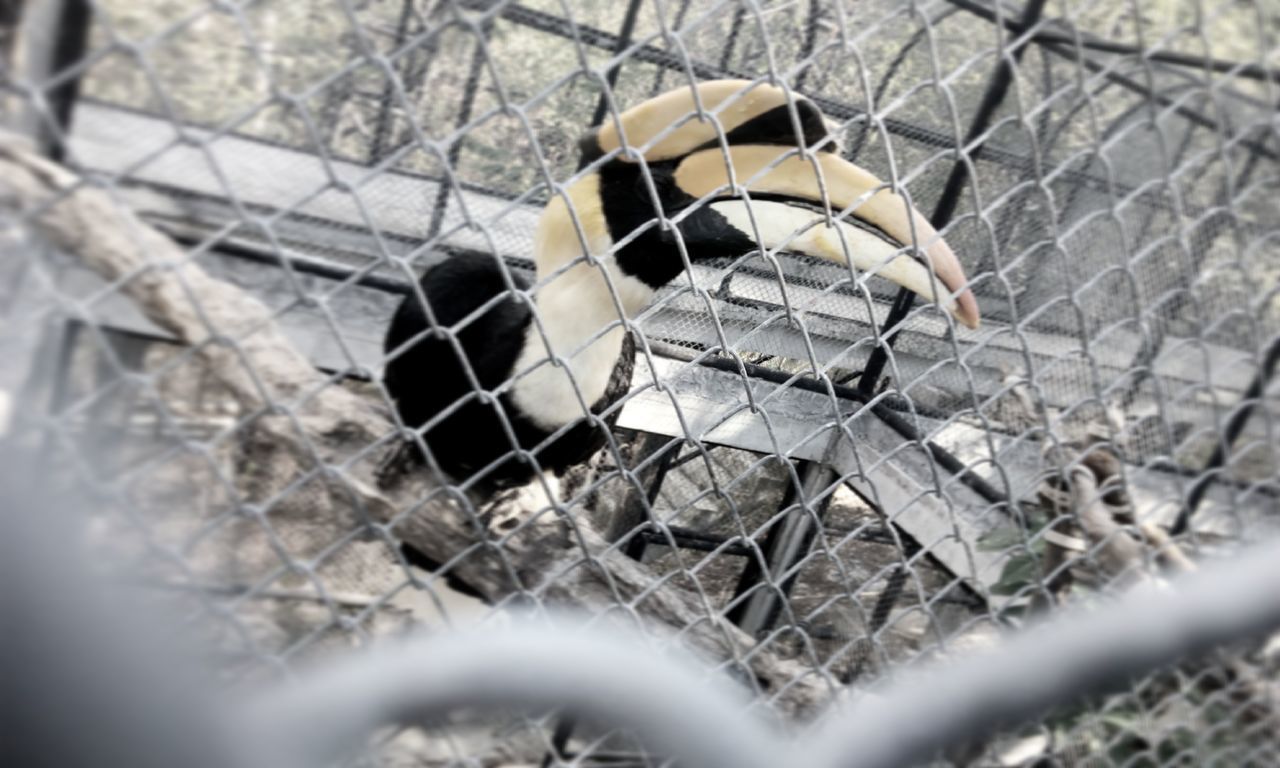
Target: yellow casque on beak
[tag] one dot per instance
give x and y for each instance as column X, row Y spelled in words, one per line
column 759, row 111
column 775, row 170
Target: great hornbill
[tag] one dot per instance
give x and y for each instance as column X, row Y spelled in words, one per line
column 473, row 368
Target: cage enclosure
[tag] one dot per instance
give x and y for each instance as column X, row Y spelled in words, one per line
column 813, row 476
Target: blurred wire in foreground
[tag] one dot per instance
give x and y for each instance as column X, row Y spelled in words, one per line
column 90, row 677
column 540, row 664
column 88, row 673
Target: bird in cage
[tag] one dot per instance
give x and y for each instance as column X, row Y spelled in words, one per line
column 504, row 379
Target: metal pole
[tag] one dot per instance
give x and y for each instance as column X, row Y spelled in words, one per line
column 1235, row 425
column 455, row 151
column 1236, row 68
column 624, row 39
column 620, row 44
column 787, row 543
column 65, row 334
column 56, row 35
column 382, row 128
column 10, row 17
column 1072, row 51
column 638, row 513
column 950, row 199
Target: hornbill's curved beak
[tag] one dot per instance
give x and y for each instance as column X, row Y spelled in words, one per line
column 787, row 212
column 747, row 135
column 669, row 125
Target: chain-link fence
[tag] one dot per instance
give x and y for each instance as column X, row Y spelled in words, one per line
column 812, row 477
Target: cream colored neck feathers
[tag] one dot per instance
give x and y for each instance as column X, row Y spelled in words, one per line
column 576, row 336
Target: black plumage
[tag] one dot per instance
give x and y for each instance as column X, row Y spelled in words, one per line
column 435, row 372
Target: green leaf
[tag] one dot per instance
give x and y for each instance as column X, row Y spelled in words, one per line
column 1019, row 571
column 1000, row 539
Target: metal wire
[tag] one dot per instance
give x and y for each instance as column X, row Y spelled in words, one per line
column 1112, row 202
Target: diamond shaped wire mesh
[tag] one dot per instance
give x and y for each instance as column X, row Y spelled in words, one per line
column 854, row 487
